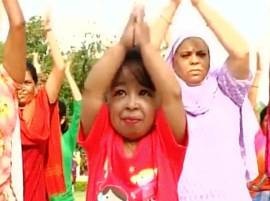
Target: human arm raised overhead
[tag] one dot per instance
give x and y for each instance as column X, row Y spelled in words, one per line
column 232, row 41
column 160, row 26
column 164, row 80
column 56, row 76
column 253, row 90
column 101, row 75
column 15, row 46
column 73, row 86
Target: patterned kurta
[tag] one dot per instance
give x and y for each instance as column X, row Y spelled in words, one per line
column 9, row 137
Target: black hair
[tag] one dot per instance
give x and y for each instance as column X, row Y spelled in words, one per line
column 134, row 62
column 63, row 113
column 263, row 114
column 116, row 191
column 31, row 68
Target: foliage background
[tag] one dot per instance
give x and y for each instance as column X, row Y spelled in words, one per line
column 82, row 58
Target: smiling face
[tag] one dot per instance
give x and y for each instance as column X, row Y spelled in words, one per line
column 191, row 61
column 132, row 105
column 27, row 91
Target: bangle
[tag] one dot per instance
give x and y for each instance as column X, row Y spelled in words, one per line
column 165, row 19
column 255, row 86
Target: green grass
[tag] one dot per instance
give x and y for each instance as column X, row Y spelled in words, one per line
column 80, row 186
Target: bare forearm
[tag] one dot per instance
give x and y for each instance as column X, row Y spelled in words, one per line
column 15, row 45
column 162, row 77
column 56, row 77
column 55, row 51
column 232, row 41
column 14, row 13
column 73, row 87
column 252, row 96
column 102, row 73
column 159, row 28
column 168, row 90
column 98, row 82
column 54, row 83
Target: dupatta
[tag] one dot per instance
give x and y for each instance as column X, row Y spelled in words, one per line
column 45, row 128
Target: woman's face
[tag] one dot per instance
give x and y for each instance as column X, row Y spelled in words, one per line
column 191, row 61
column 132, row 107
column 27, row 91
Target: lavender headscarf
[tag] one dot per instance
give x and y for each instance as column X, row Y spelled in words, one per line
column 197, row 100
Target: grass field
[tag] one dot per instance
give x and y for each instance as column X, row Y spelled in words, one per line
column 79, row 196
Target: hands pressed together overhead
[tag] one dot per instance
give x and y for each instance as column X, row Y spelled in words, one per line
column 136, row 33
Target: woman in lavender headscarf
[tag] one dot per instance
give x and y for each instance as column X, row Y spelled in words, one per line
column 220, row 158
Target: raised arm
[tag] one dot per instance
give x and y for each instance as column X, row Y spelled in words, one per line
column 76, row 114
column 56, row 77
column 159, row 28
column 73, row 86
column 36, row 62
column 15, row 45
column 100, row 77
column 253, row 91
column 232, row 41
column 164, row 80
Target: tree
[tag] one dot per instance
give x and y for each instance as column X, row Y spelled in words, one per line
column 82, row 58
column 36, row 43
column 82, row 61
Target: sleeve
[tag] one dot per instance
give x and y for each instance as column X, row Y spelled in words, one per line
column 72, row 133
column 235, row 89
column 174, row 150
column 91, row 142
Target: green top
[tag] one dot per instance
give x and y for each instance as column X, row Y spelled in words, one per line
column 68, row 142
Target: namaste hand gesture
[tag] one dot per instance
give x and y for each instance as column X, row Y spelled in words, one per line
column 136, row 32
column 127, row 38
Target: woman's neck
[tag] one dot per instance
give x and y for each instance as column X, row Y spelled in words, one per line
column 27, row 112
column 129, row 148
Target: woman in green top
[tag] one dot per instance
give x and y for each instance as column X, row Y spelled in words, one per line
column 69, row 136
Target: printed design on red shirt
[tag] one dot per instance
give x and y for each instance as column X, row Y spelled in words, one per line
column 146, row 180
column 143, row 182
column 112, row 193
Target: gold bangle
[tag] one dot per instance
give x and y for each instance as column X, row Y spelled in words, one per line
column 165, row 19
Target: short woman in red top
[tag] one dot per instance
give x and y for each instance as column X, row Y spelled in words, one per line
column 133, row 122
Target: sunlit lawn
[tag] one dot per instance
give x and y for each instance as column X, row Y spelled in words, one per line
column 79, row 196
